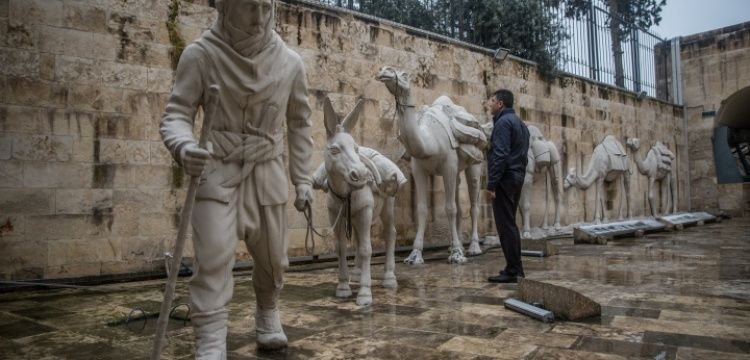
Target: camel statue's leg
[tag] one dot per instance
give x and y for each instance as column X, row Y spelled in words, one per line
column 555, row 174
column 420, row 184
column 459, row 213
column 651, row 206
column 663, row 195
column 389, row 227
column 449, row 180
column 361, row 225
column 602, row 200
column 545, row 222
column 342, row 290
column 673, row 191
column 356, row 271
column 626, row 185
column 473, row 177
column 528, row 182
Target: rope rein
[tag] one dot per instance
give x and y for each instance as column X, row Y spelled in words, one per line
column 311, row 232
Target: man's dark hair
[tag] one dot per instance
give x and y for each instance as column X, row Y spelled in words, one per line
column 505, row 96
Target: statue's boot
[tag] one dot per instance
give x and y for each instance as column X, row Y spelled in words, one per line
column 270, row 335
column 210, row 329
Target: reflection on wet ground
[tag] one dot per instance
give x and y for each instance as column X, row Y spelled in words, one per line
column 680, row 295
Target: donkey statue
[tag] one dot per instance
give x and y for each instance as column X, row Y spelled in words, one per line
column 360, row 183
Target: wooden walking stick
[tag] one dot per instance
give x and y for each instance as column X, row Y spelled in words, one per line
column 187, row 211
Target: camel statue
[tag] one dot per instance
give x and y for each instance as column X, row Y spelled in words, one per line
column 360, row 183
column 441, row 140
column 543, row 159
column 608, row 163
column 657, row 167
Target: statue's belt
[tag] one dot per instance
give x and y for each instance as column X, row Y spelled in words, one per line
column 245, row 149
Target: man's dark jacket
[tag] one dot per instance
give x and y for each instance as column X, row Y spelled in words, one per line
column 508, row 153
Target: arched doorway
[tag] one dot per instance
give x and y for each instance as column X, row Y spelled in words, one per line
column 731, row 141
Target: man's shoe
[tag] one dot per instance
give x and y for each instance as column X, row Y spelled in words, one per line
column 503, row 279
column 503, row 272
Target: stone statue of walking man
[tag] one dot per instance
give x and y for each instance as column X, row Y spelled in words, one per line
column 244, row 186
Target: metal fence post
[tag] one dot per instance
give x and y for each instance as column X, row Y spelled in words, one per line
column 593, row 44
column 676, row 72
column 635, row 47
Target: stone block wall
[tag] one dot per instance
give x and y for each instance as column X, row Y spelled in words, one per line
column 715, row 65
column 87, row 188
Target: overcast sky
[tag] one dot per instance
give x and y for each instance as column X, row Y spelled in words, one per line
column 687, row 17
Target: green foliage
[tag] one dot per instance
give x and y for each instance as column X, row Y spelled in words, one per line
column 407, row 12
column 525, row 27
column 175, row 38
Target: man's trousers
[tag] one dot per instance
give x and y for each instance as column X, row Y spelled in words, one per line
column 504, row 208
column 217, row 226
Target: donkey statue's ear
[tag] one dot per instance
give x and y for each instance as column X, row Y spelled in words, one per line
column 330, row 119
column 351, row 120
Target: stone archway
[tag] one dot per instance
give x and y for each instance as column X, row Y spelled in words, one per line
column 731, row 140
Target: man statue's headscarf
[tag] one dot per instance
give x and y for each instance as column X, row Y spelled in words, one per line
column 234, row 24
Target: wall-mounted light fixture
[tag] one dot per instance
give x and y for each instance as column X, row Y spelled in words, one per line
column 501, row 54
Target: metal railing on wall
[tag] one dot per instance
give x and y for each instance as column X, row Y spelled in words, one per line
column 587, row 49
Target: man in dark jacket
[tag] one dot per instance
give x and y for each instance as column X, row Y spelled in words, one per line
column 506, row 163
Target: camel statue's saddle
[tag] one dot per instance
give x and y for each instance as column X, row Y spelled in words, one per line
column 465, row 132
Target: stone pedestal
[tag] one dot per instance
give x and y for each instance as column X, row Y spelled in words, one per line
column 600, row 234
column 564, row 302
column 678, row 221
column 543, row 245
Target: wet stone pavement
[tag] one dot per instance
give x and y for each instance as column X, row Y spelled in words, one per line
column 680, row 295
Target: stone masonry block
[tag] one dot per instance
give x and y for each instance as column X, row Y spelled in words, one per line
column 125, row 76
column 23, row 258
column 69, row 271
column 74, row 69
column 11, row 174
column 5, row 146
column 46, row 227
column 160, row 224
column 96, row 98
column 19, row 62
column 79, row 43
column 27, row 201
column 129, row 267
column 113, row 151
column 159, row 177
column 160, row 80
column 146, row 200
column 22, row 253
column 46, row 66
column 12, row 225
column 87, row 18
column 42, row 147
column 27, row 91
column 3, row 30
column 82, row 201
column 57, row 175
column 20, row 35
column 160, row 155
column 143, row 248
column 48, row 12
column 83, row 149
column 138, row 152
